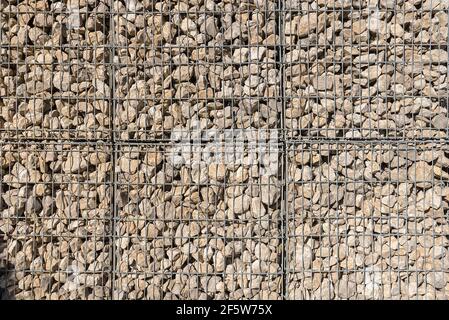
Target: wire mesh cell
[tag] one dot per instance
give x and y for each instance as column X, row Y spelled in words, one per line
column 374, row 69
column 54, row 66
column 185, row 66
column 198, row 222
column 367, row 220
column 55, row 224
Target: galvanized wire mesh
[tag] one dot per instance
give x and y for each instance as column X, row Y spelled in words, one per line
column 181, row 68
column 366, row 69
column 56, row 220
column 54, row 63
column 369, row 222
column 198, row 221
column 235, row 149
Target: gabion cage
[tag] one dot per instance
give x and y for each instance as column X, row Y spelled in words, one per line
column 56, row 220
column 224, row 149
column 367, row 220
column 199, row 221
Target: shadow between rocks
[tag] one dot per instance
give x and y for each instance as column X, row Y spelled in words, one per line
column 6, row 273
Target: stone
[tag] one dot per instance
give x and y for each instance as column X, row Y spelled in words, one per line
column 217, row 171
column 383, row 83
column 262, row 252
column 432, row 200
column 421, row 173
column 377, row 25
column 75, row 163
column 346, row 288
column 233, row 31
column 20, row 172
column 33, row 205
column 396, row 30
column 211, row 27
column 326, row 290
column 150, row 231
column 345, row 159
column 437, row 279
column 240, row 204
column 440, row 121
column 182, row 73
column 241, row 175
column 128, row 165
column 188, row 26
column 351, row 207
column 169, row 31
column 372, row 72
column 323, row 82
column 311, row 23
column 253, row 81
column 257, row 208
column 256, row 53
column 269, row 194
column 303, row 257
column 62, row 81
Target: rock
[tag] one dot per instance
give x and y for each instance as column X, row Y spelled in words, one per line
column 257, row 208
column 269, row 194
column 421, row 173
column 350, row 209
column 372, row 72
column 217, row 171
column 239, row 204
column 303, row 257
column 241, row 175
column 256, row 53
column 240, row 56
column 436, row 56
column 396, row 30
column 182, row 73
column 20, row 172
column 253, row 81
column 383, row 82
column 323, row 82
column 326, row 290
column 62, row 81
column 346, row 289
column 150, row 231
column 219, row 261
column 33, row 205
column 128, row 165
column 75, row 163
column 440, row 122
column 169, row 31
column 188, row 26
column 377, row 25
column 431, row 200
column 211, row 27
column 311, row 23
column 233, row 31
column 345, row 159
column 262, row 252
column 437, row 279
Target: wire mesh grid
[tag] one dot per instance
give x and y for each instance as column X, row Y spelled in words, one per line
column 234, row 149
column 366, row 69
column 55, row 224
column 198, row 221
column 54, row 61
column 367, row 220
column 183, row 67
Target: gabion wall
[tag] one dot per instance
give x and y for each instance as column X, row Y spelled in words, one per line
column 224, row 149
